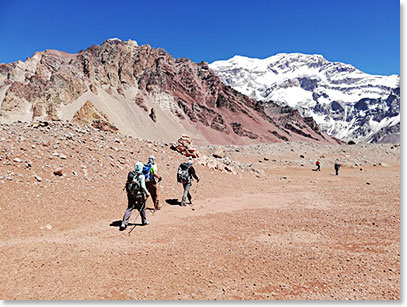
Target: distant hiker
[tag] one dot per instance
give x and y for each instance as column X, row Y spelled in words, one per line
column 150, row 172
column 137, row 195
column 337, row 166
column 318, row 164
column 185, row 174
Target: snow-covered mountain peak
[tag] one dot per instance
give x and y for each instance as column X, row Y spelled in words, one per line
column 315, row 86
column 285, row 59
column 114, row 39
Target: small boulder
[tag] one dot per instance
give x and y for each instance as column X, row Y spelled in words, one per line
column 58, row 172
column 228, row 169
column 219, row 153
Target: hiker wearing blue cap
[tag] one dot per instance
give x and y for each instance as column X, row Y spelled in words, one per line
column 150, row 172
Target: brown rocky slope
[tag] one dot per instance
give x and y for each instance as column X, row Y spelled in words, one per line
column 124, row 81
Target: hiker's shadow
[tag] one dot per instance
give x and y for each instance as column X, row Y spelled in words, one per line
column 119, row 222
column 173, row 202
column 116, row 223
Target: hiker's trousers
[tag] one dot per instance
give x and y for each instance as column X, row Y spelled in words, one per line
column 153, row 190
column 134, row 203
column 187, row 186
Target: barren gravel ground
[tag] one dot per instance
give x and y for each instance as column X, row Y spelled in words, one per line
column 276, row 230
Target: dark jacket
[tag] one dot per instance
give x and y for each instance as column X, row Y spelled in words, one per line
column 192, row 173
column 337, row 165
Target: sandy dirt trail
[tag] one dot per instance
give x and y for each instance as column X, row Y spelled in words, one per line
column 291, row 234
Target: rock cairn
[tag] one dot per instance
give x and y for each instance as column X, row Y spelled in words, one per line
column 184, row 146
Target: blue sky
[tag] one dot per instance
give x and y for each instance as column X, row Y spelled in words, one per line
column 364, row 33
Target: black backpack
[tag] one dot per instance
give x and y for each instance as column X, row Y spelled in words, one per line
column 183, row 172
column 132, row 188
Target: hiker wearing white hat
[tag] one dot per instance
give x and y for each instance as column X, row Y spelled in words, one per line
column 137, row 195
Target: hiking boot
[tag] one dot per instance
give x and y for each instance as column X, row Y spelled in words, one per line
column 122, row 227
column 146, row 223
column 182, row 204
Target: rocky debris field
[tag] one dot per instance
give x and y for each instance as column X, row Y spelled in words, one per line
column 263, row 224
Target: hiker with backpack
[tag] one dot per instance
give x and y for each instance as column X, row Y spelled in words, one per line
column 337, row 165
column 318, row 164
column 185, row 174
column 137, row 195
column 150, row 172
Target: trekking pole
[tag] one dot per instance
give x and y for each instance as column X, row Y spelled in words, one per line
column 195, row 189
column 135, row 220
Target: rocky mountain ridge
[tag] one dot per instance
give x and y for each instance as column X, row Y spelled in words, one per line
column 343, row 101
column 127, row 83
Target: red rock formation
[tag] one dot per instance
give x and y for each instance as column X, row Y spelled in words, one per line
column 184, row 147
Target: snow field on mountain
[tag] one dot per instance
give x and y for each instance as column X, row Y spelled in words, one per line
column 343, row 100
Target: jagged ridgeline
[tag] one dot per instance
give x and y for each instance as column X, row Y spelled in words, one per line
column 344, row 101
column 144, row 92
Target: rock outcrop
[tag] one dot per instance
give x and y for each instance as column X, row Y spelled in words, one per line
column 89, row 115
